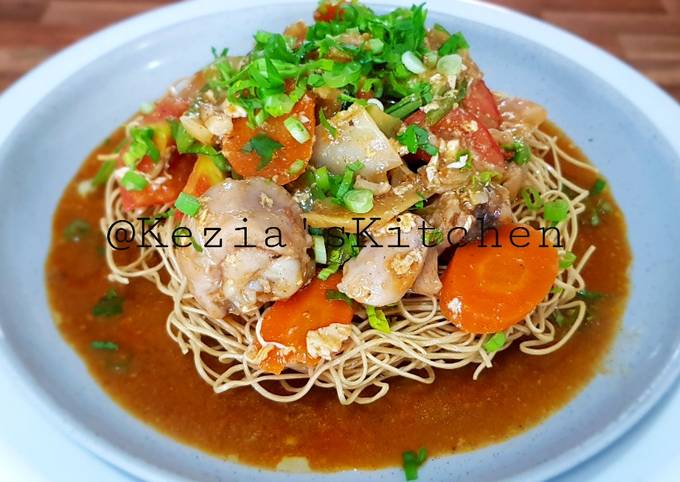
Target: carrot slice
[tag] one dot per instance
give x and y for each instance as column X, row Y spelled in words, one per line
column 279, row 169
column 288, row 321
column 488, row 289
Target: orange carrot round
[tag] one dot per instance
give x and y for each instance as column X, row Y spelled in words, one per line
column 284, row 166
column 288, row 321
column 488, row 289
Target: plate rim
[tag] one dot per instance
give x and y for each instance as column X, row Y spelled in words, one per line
column 650, row 100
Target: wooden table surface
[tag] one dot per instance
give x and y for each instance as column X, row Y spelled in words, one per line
column 644, row 33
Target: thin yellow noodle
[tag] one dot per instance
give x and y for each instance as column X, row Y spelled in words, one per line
column 421, row 338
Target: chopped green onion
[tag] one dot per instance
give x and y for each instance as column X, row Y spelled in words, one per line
column 296, row 167
column 264, row 146
column 297, row 129
column 77, row 230
column 104, row 345
column 405, row 106
column 277, row 105
column 450, row 64
column 184, row 232
column 567, row 260
column 377, row 319
column 104, row 172
column 434, row 237
column 598, row 187
column 133, row 181
column 188, row 204
column 111, row 304
column 319, row 249
column 521, row 150
column 375, row 45
column 412, row 461
column 327, row 125
column 325, row 273
column 412, row 62
column 495, row 343
column 556, row 211
column 322, row 178
column 532, row 198
column 589, row 295
column 358, row 201
column 338, row 296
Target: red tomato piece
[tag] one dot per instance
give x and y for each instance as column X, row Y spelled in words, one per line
column 179, row 169
column 480, row 102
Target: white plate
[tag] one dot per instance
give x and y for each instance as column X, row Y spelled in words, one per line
column 55, row 115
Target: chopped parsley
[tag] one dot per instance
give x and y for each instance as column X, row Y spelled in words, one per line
column 264, row 146
column 141, row 145
column 415, row 138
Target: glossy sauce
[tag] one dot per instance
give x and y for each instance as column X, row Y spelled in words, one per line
column 150, row 378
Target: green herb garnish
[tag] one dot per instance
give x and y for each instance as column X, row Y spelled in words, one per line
column 377, row 319
column 412, row 461
column 133, row 181
column 77, row 230
column 188, row 204
column 104, row 345
column 111, row 304
column 567, row 260
column 141, row 145
column 495, row 343
column 522, row 152
column 264, row 146
column 556, row 211
column 416, row 138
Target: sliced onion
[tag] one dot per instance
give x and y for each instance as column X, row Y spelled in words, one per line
column 197, row 130
column 450, row 64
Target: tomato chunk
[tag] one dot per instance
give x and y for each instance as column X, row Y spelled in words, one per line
column 459, row 124
column 481, row 103
column 179, row 168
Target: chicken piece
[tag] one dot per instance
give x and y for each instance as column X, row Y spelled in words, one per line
column 358, row 138
column 459, row 217
column 236, row 279
column 380, row 276
column 428, row 282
